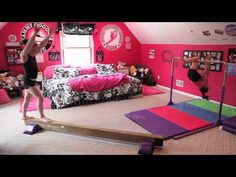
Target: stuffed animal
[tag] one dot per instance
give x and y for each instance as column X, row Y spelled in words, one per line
column 121, row 65
column 133, row 70
column 9, row 82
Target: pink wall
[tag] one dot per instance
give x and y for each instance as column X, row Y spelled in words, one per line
column 121, row 54
column 163, row 69
column 15, row 29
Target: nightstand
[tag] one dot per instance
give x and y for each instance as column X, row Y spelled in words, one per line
column 124, row 70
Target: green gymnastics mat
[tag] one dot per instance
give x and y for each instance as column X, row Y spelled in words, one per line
column 213, row 107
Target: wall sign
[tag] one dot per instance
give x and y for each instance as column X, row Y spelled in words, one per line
column 12, row 38
column 28, row 31
column 152, row 53
column 232, row 55
column 167, row 55
column 216, row 56
column 111, row 37
column 54, row 54
column 13, row 55
column 99, row 54
column 230, row 30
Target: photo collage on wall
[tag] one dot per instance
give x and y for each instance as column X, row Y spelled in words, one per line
column 216, row 56
column 13, row 55
column 232, row 56
column 54, row 55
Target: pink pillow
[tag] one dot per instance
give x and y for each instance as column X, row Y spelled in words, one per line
column 4, row 98
column 90, row 70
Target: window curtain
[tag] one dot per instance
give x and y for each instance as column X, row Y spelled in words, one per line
column 78, row 29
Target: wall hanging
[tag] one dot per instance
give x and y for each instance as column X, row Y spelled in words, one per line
column 167, row 55
column 54, row 55
column 231, row 56
column 152, row 54
column 28, row 30
column 216, row 56
column 13, row 55
column 111, row 37
column 99, row 54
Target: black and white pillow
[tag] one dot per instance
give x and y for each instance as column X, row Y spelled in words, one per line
column 61, row 72
column 105, row 68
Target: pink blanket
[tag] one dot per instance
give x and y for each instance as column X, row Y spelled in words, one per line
column 96, row 83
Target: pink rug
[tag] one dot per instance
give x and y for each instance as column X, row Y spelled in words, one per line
column 150, row 90
column 33, row 104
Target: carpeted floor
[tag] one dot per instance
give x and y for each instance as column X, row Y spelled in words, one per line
column 33, row 104
column 106, row 115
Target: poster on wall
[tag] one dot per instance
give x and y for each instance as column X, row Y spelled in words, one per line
column 28, row 30
column 216, row 56
column 167, row 55
column 232, row 56
column 152, row 54
column 111, row 37
column 13, row 55
column 54, row 56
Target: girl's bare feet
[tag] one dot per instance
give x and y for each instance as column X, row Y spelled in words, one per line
column 27, row 117
column 44, row 119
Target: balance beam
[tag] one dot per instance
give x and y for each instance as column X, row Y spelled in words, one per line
column 97, row 132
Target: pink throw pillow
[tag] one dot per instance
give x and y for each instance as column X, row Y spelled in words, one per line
column 4, row 98
column 90, row 70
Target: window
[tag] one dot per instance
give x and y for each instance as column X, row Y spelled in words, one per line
column 77, row 49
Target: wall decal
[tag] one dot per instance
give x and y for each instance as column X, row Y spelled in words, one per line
column 216, row 56
column 128, row 45
column 99, row 54
column 218, row 31
column 232, row 56
column 111, row 37
column 13, row 55
column 230, row 30
column 206, row 33
column 152, row 53
column 54, row 55
column 28, row 30
column 167, row 55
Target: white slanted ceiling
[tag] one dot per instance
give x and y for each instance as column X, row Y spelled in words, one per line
column 181, row 32
column 2, row 24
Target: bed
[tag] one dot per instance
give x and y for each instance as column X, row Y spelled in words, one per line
column 68, row 86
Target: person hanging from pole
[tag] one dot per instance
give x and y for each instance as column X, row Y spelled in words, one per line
column 197, row 76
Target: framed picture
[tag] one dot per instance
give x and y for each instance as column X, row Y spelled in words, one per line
column 54, row 56
column 13, row 55
column 152, row 54
column 216, row 56
column 167, row 55
column 232, row 56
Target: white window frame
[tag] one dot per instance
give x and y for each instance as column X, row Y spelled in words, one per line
column 75, row 47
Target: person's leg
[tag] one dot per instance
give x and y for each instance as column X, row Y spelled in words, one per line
column 25, row 104
column 36, row 92
column 207, row 65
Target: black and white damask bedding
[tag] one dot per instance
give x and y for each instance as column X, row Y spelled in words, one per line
column 60, row 92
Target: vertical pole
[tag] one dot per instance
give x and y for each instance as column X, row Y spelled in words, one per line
column 172, row 80
column 219, row 121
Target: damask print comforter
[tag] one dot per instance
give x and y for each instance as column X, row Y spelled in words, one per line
column 62, row 95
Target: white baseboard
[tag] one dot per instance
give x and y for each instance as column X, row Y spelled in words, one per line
column 194, row 96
